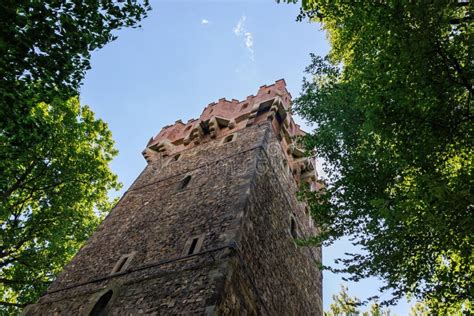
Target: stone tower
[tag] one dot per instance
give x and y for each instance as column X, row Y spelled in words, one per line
column 208, row 227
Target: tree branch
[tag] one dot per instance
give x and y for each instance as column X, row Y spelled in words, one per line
column 12, row 304
column 13, row 282
column 19, row 181
column 452, row 62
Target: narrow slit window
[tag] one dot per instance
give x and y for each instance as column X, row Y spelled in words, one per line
column 293, row 230
column 193, row 245
column 101, row 305
column 192, row 248
column 184, row 183
column 123, row 263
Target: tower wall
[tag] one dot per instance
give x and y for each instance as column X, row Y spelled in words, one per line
column 270, row 272
column 239, row 203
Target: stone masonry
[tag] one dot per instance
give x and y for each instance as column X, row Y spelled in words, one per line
column 208, row 227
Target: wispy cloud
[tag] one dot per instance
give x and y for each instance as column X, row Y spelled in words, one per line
column 249, row 42
column 204, row 21
column 240, row 30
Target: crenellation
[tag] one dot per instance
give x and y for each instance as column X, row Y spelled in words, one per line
column 236, row 110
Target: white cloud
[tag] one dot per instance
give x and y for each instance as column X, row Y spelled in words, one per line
column 239, row 30
column 204, row 21
column 249, row 43
column 240, row 26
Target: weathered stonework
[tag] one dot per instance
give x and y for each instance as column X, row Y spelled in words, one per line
column 240, row 205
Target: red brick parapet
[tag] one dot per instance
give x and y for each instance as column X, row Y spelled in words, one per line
column 222, row 118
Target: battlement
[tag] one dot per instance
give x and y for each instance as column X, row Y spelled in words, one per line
column 222, row 118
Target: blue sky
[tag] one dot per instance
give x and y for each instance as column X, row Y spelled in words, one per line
column 188, row 54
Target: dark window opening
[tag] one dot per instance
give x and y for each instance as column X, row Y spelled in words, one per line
column 99, row 307
column 205, row 127
column 228, row 139
column 279, row 118
column 121, row 264
column 293, row 231
column 176, row 157
column 193, row 245
column 192, row 248
column 264, row 107
column 184, row 183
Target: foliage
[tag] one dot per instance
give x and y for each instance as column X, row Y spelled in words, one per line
column 45, row 45
column 419, row 309
column 54, row 185
column 392, row 111
column 427, row 308
column 344, row 305
column 54, row 154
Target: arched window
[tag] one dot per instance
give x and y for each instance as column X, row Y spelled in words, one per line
column 100, row 306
